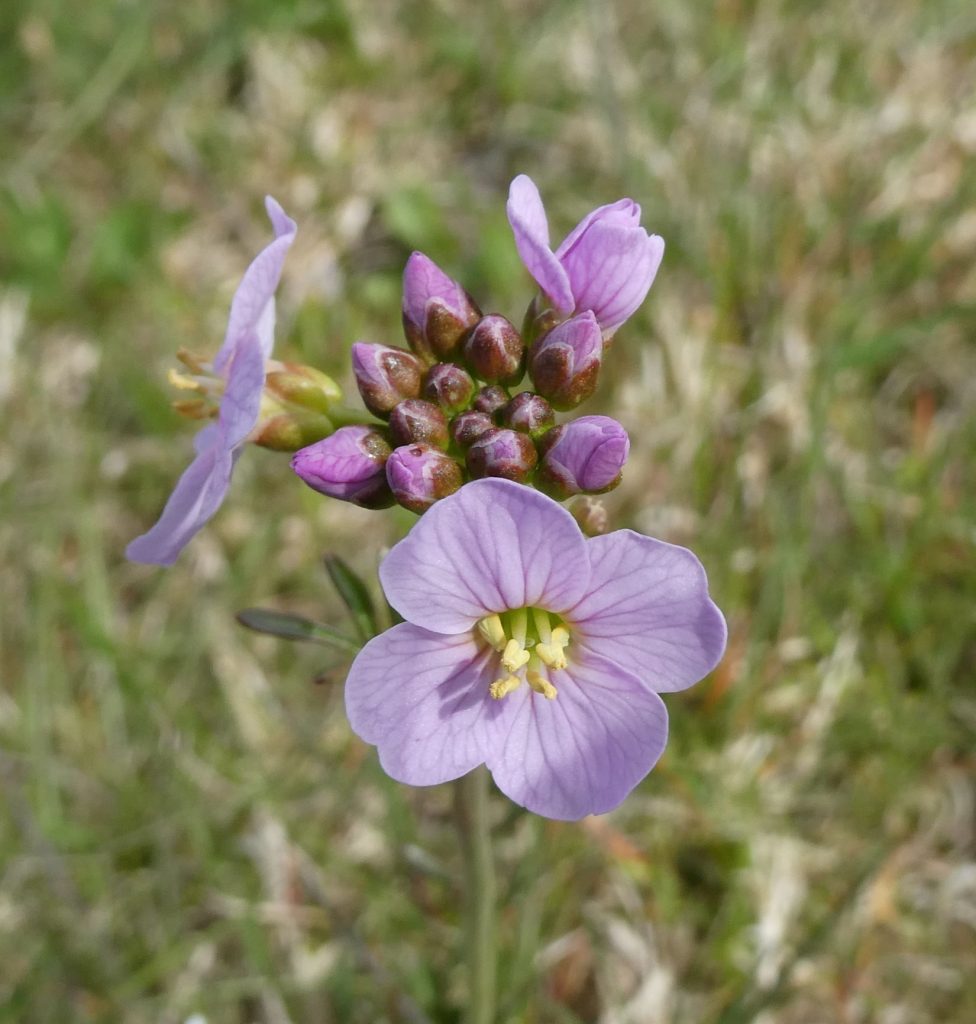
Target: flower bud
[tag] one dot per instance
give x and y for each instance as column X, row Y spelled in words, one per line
column 301, row 385
column 490, row 399
column 419, row 475
column 287, row 430
column 385, row 376
column 583, row 456
column 528, row 413
column 565, row 362
column 349, row 465
column 504, row 453
column 436, row 309
column 494, row 351
column 418, row 422
column 539, row 318
column 449, row 386
column 469, row 426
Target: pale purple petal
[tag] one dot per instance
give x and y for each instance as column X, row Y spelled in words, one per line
column 490, row 546
column 196, row 497
column 612, row 270
column 583, row 752
column 240, row 405
column 527, row 216
column 422, row 698
column 624, row 213
column 252, row 308
column 647, row 609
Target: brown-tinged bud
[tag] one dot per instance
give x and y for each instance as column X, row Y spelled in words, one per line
column 494, row 351
column 565, row 363
column 416, row 421
column 349, row 465
column 419, row 475
column 504, row 453
column 449, row 386
column 528, row 413
column 491, row 400
column 539, row 318
column 436, row 309
column 586, row 455
column 469, row 426
column 385, row 376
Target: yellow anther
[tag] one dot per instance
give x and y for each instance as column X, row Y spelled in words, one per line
column 552, row 653
column 193, row 362
column 540, row 684
column 491, row 629
column 514, row 656
column 502, row 687
column 183, row 382
column 195, row 408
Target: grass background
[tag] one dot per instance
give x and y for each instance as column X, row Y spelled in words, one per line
column 188, row 825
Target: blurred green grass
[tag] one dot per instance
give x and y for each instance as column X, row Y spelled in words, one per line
column 190, row 827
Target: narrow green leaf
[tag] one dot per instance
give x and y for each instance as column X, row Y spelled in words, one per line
column 294, row 627
column 354, row 595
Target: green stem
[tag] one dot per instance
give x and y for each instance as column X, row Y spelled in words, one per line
column 471, row 818
column 344, row 416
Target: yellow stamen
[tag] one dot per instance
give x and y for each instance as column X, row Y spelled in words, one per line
column 191, row 361
column 183, row 382
column 540, row 684
column 492, row 630
column 195, row 409
column 515, row 655
column 552, row 653
column 502, row 687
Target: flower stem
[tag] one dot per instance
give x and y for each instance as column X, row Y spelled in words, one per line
column 471, row 818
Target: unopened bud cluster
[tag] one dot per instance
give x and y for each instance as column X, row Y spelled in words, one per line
column 452, row 409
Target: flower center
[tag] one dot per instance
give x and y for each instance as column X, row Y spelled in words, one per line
column 200, row 379
column 530, row 641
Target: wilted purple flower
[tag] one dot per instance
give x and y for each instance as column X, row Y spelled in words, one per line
column 241, row 363
column 349, row 465
column 531, row 649
column 585, row 455
column 419, row 475
column 436, row 309
column 606, row 264
column 565, row 362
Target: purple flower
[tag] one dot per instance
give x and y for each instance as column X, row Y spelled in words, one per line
column 606, row 264
column 349, row 465
column 241, row 364
column 531, row 649
column 585, row 455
